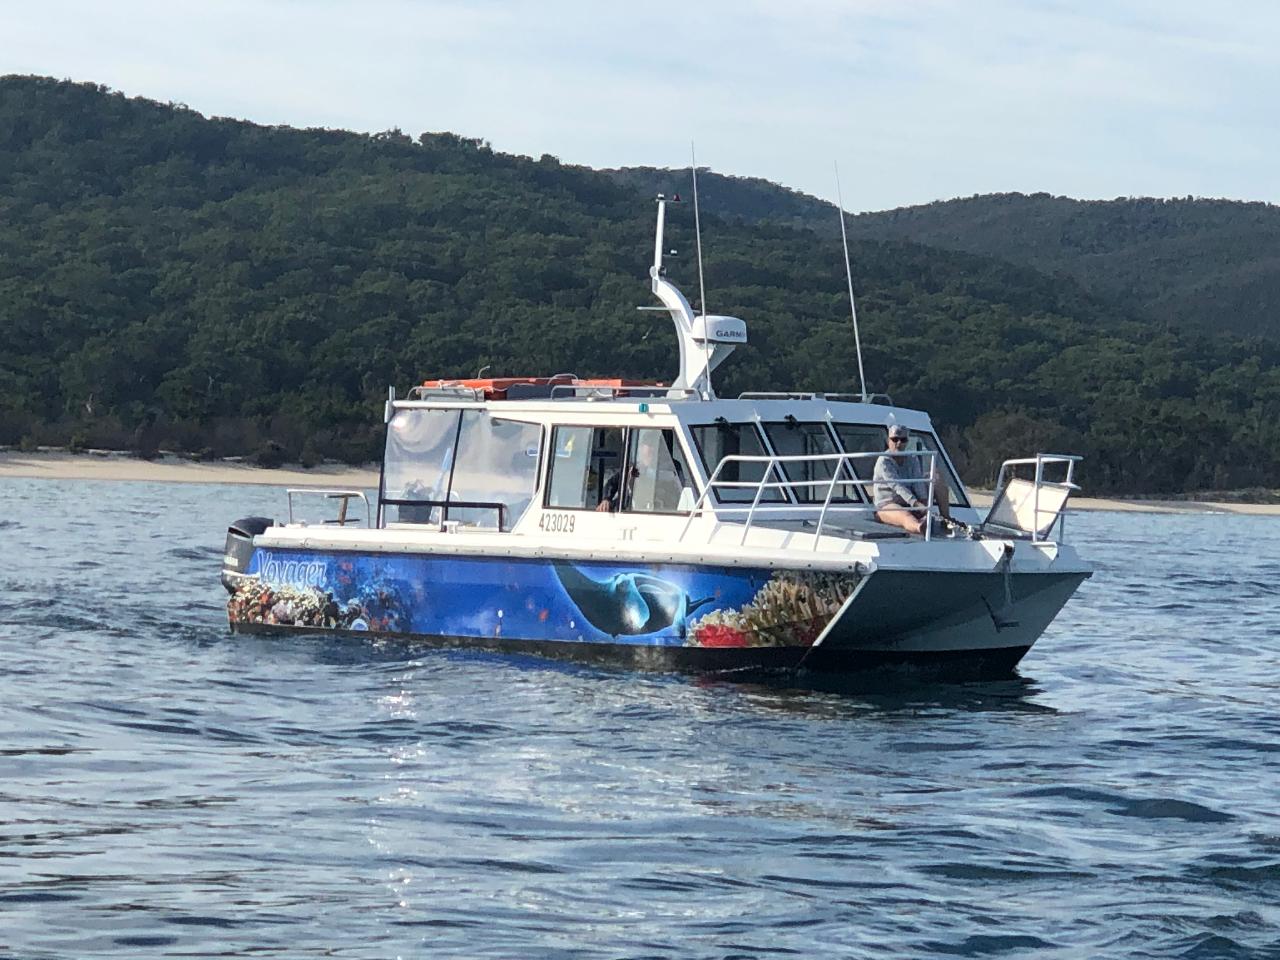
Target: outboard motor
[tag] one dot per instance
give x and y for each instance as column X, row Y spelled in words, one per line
column 239, row 549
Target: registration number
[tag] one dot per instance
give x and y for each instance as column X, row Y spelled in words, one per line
column 556, row 523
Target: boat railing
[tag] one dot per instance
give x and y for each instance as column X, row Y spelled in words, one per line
column 344, row 498
column 585, row 391
column 425, row 511
column 880, row 398
column 842, row 475
column 447, row 391
column 1031, row 508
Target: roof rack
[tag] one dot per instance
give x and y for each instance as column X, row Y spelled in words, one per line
column 538, row 388
column 883, row 398
column 445, row 391
column 586, row 390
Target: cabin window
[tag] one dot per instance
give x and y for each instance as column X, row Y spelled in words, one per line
column 659, row 477
column 791, row 438
column 922, row 440
column 459, row 465
column 719, row 440
column 495, row 470
column 417, row 464
column 860, row 438
column 583, row 461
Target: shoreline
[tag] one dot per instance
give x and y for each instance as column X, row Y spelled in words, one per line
column 112, row 466
column 119, row 467
column 982, row 500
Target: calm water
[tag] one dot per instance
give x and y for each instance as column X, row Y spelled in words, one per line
column 167, row 789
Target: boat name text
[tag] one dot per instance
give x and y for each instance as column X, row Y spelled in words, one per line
column 297, row 573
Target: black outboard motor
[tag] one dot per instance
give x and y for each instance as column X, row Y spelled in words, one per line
column 235, row 558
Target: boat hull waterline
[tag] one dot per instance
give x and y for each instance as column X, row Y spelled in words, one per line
column 657, row 616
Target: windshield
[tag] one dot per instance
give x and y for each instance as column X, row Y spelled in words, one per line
column 459, row 465
column 719, row 440
column 417, row 463
column 921, row 440
column 811, row 478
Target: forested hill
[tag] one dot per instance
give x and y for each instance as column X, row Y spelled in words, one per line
column 167, row 279
column 1208, row 265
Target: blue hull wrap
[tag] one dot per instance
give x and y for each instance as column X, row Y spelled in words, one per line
column 497, row 599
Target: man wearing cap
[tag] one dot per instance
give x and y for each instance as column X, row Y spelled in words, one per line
column 903, row 503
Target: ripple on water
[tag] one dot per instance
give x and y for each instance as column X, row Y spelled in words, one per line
column 986, row 945
column 1160, row 808
column 169, row 789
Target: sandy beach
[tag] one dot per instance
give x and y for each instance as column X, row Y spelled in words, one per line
column 172, row 469
column 982, row 500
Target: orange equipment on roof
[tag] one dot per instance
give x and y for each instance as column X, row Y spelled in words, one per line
column 495, row 388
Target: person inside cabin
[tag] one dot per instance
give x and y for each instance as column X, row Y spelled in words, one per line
column 611, row 500
column 661, row 479
column 902, row 486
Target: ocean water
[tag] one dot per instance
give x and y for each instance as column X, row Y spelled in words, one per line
column 168, row 789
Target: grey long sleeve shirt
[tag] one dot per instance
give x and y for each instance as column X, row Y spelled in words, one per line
column 890, row 489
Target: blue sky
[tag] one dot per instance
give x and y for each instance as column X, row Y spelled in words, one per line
column 917, row 100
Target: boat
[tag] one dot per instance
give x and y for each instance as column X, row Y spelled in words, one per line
column 661, row 526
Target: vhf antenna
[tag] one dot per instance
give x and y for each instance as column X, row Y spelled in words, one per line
column 702, row 289
column 848, row 272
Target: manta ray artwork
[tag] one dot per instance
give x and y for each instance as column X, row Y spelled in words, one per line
column 629, row 603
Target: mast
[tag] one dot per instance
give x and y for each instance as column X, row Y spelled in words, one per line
column 702, row 287
column 706, row 340
column 848, row 272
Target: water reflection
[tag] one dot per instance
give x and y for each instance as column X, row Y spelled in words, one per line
column 886, row 691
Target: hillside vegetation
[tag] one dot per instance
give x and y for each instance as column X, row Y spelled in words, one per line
column 1201, row 265
column 167, row 279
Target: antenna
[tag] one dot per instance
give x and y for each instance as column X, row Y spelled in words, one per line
column 728, row 333
column 848, row 272
column 702, row 289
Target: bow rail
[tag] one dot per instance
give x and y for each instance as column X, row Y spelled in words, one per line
column 842, row 475
column 1020, row 508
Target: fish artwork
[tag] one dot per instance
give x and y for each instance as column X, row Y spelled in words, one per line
column 628, row 603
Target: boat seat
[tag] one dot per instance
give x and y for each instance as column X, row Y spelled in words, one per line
column 1019, row 510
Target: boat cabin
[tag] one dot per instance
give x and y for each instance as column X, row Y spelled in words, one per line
column 529, row 454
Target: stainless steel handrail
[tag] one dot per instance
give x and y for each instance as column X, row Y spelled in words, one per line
column 791, row 395
column 842, row 475
column 445, row 391
column 588, row 391
column 346, row 496
column 816, row 395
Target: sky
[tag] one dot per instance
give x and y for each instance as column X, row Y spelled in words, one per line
column 916, row 100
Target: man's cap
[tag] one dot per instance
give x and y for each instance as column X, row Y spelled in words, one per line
column 897, row 430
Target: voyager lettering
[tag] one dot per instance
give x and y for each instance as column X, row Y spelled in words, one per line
column 298, row 573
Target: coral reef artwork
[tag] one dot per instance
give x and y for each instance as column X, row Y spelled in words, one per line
column 306, row 606
column 791, row 609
